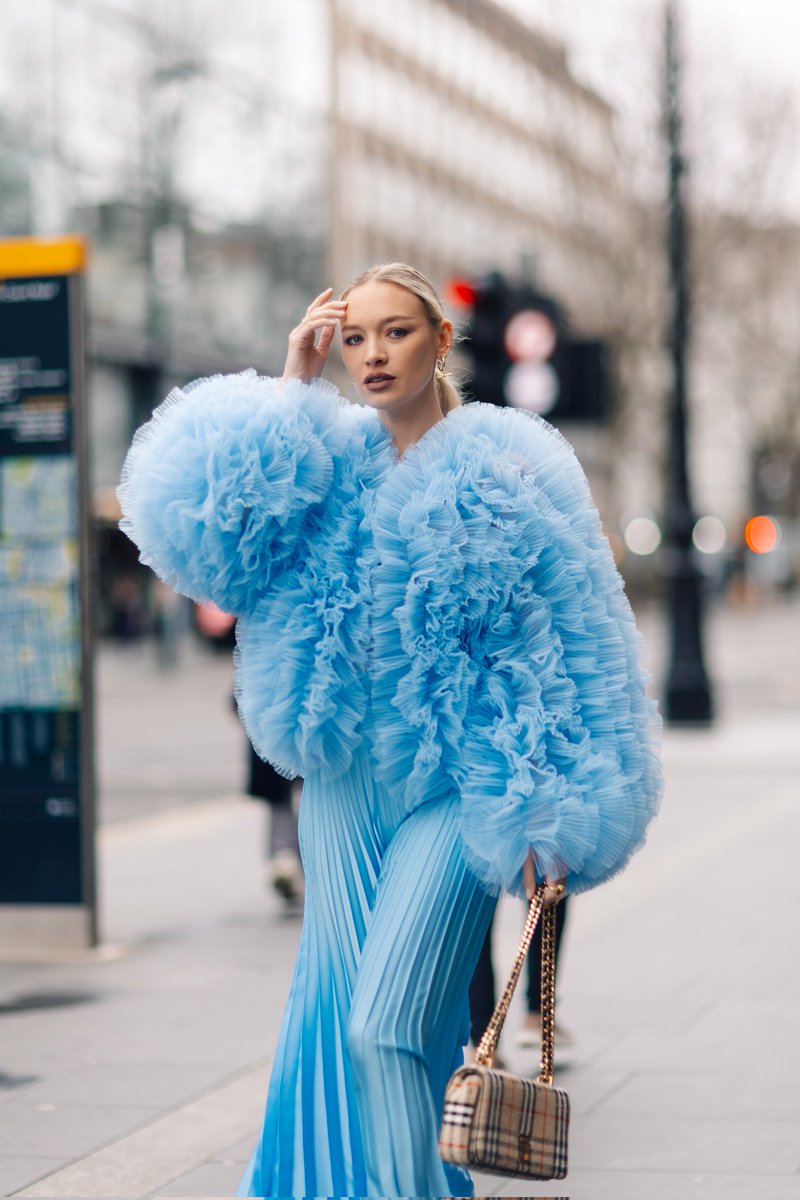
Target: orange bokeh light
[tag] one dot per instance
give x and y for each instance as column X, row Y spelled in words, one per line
column 761, row 534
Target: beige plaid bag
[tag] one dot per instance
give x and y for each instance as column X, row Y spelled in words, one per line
column 498, row 1122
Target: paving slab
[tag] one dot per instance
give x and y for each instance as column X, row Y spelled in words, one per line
column 100, row 1178
column 16, row 1170
column 729, row 1096
column 240, row 1152
column 154, row 1085
column 212, row 1179
column 63, row 1130
column 682, row 1144
column 163, row 1149
column 673, row 1185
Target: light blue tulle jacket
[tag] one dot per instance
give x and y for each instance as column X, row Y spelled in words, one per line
column 458, row 610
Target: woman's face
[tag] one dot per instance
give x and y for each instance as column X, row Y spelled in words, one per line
column 389, row 346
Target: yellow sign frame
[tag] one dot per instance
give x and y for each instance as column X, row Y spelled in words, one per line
column 20, row 257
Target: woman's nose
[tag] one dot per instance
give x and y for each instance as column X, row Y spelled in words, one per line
column 375, row 354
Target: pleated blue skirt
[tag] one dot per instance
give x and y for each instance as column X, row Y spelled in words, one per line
column 377, row 1014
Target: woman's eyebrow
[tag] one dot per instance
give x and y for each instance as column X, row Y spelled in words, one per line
column 385, row 321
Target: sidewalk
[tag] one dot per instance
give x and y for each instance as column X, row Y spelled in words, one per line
column 141, row 1071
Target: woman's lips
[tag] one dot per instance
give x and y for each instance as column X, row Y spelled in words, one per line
column 378, row 383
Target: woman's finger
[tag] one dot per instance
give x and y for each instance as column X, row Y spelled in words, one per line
column 312, row 320
column 306, row 332
column 319, row 299
column 529, row 876
column 316, row 321
column 325, row 339
column 327, row 310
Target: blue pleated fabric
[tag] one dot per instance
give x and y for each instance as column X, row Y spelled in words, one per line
column 377, row 1013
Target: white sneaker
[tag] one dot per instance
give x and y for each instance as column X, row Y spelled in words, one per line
column 286, row 875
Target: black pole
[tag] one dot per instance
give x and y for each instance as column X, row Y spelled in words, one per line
column 688, row 693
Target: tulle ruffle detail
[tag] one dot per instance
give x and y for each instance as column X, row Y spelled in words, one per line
column 303, row 658
column 506, row 646
column 217, row 488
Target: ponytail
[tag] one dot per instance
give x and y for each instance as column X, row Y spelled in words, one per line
column 447, row 392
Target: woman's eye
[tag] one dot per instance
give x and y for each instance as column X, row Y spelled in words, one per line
column 352, row 339
column 400, row 333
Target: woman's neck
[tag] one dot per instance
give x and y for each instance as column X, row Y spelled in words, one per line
column 408, row 426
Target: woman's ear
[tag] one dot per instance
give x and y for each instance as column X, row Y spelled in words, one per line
column 445, row 339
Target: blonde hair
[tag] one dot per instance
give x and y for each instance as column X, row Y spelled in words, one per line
column 414, row 281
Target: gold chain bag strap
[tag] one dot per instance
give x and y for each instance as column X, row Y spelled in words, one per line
column 503, row 1123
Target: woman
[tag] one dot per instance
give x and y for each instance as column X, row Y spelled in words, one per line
column 432, row 631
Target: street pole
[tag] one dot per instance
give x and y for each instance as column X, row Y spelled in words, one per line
column 687, row 697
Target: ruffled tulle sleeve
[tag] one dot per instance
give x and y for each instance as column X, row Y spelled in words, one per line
column 561, row 754
column 218, row 487
column 512, row 656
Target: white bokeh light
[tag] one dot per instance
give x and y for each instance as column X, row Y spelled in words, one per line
column 532, row 386
column 642, row 536
column 709, row 535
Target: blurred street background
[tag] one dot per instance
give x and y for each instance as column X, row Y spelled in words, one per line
column 620, row 255
column 224, row 160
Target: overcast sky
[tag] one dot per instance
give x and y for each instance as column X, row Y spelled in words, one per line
column 762, row 36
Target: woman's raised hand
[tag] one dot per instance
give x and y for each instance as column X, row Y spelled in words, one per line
column 307, row 353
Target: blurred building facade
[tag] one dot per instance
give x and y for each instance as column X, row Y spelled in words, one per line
column 746, row 382
column 228, row 161
column 747, row 361
column 462, row 141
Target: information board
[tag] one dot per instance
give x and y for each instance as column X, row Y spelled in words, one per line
column 46, row 743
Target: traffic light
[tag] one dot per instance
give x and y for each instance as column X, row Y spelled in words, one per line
column 523, row 356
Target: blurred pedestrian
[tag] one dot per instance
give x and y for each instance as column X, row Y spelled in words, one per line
column 285, row 870
column 432, row 631
column 127, row 607
column 167, row 623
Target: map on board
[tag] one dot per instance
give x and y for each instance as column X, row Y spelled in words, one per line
column 37, row 497
column 40, row 643
column 48, row 563
column 40, row 647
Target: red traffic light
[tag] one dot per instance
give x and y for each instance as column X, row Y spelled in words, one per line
column 461, row 292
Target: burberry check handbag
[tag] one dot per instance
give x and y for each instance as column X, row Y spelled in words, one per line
column 498, row 1122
